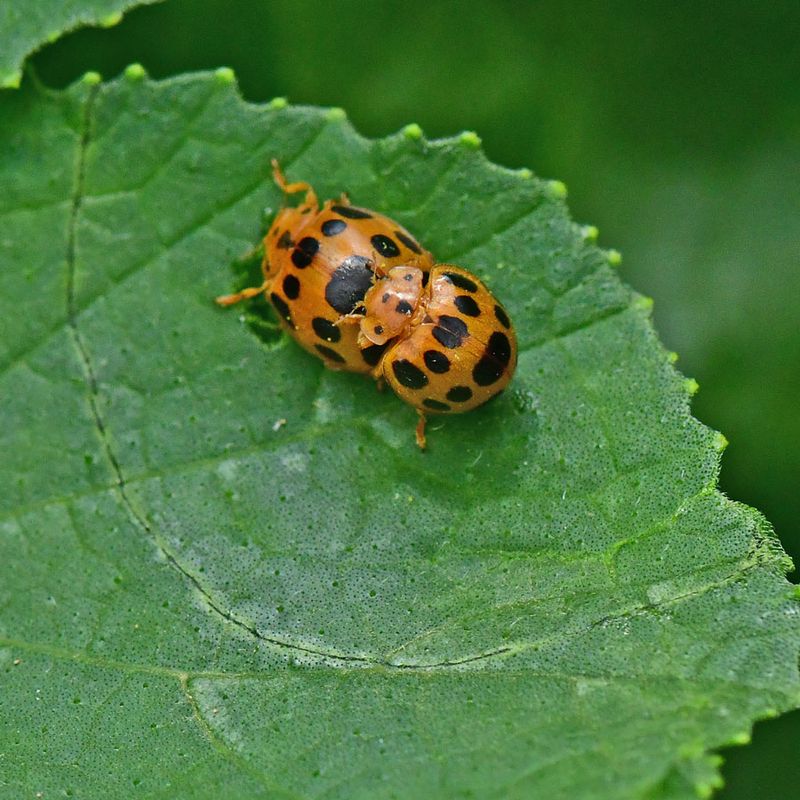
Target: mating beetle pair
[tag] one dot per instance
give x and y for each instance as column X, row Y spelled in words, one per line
column 354, row 288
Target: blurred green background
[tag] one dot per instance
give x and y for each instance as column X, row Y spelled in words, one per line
column 675, row 126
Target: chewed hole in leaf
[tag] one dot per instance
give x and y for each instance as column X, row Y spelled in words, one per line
column 258, row 313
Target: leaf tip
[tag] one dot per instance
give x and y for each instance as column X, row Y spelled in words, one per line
column 335, row 114
column 111, row 20
column 706, row 790
column 278, row 103
column 412, row 131
column 135, row 72
column 470, row 139
column 614, row 258
column 643, row 303
column 743, row 737
column 590, row 233
column 672, row 357
column 91, row 78
column 557, row 190
column 525, row 173
column 225, row 75
column 691, row 386
column 10, row 80
column 720, row 440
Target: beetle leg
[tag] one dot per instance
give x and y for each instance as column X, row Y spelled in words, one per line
column 420, row 431
column 353, row 317
column 311, row 203
column 245, row 294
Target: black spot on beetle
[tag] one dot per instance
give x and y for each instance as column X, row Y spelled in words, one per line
column 462, row 281
column 333, row 226
column 351, row 212
column 408, row 277
column 372, row 354
column 409, row 374
column 404, row 307
column 459, row 394
column 349, row 284
column 466, row 305
column 325, row 329
column 282, row 307
column 436, row 405
column 308, row 244
column 436, row 362
column 487, row 371
column 408, row 242
column 385, row 246
column 300, row 259
column 499, row 347
column 450, row 331
column 494, row 360
column 330, row 353
column 291, row 287
column 385, row 298
column 285, row 242
column 502, row 317
column 305, row 251
column 379, row 329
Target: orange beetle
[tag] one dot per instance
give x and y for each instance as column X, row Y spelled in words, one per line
column 450, row 346
column 318, row 264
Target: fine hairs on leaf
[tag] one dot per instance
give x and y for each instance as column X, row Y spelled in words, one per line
column 227, row 570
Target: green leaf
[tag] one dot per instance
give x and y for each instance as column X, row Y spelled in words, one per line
column 554, row 601
column 26, row 26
